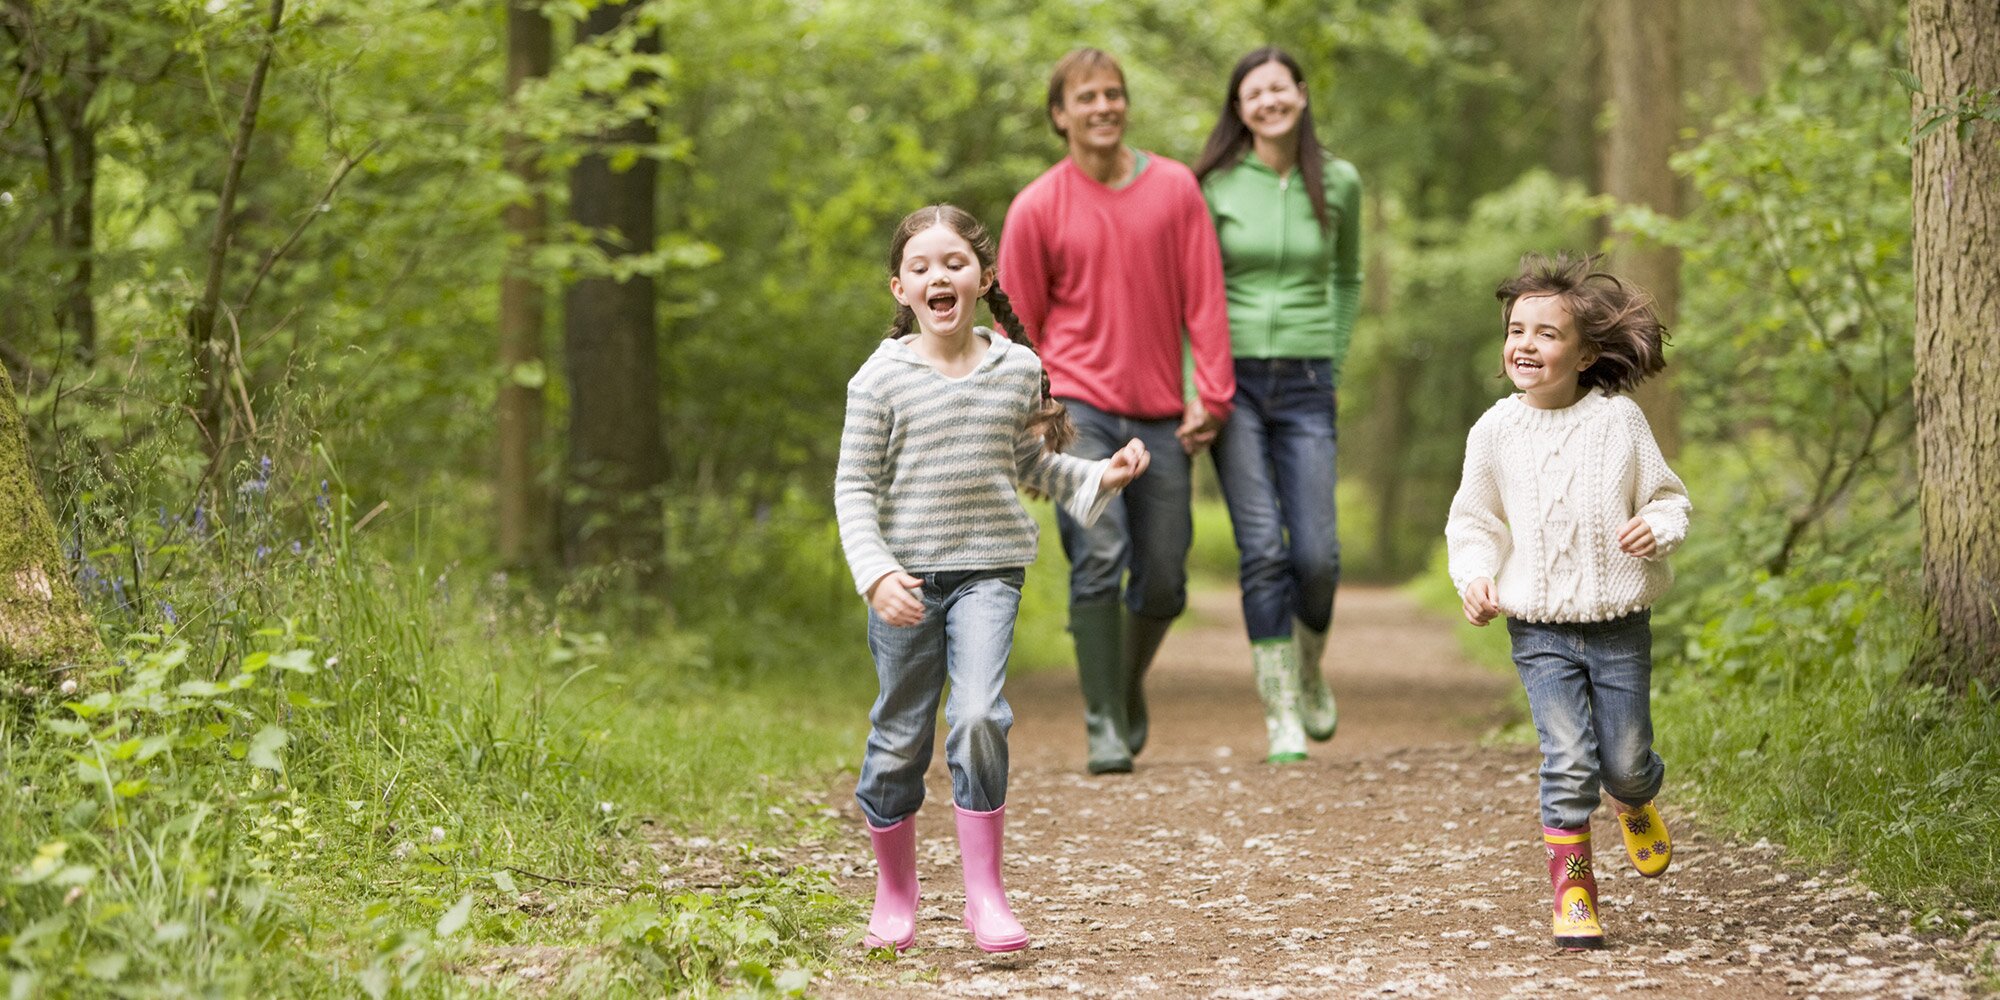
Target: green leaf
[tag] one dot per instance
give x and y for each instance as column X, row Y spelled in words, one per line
column 1907, row 79
column 298, row 661
column 529, row 374
column 265, row 745
column 106, row 966
column 454, row 919
column 506, row 883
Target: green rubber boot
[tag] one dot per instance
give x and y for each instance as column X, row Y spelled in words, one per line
column 1100, row 669
column 1317, row 711
column 1276, row 662
column 1143, row 636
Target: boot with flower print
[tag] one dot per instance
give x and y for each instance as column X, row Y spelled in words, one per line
column 1277, row 669
column 1576, row 926
column 1646, row 840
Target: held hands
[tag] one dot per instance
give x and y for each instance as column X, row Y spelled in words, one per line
column 1636, row 538
column 1197, row 430
column 892, row 600
column 1127, row 463
column 1481, row 604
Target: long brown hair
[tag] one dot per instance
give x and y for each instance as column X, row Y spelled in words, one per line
column 1614, row 318
column 1050, row 419
column 1231, row 139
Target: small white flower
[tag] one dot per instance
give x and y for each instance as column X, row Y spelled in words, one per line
column 403, row 850
column 437, row 835
column 606, row 807
column 69, row 687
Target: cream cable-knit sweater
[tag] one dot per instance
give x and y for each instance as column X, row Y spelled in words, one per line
column 1543, row 497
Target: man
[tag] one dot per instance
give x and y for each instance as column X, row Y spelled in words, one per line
column 1107, row 258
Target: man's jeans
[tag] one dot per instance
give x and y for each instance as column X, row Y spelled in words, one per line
column 1145, row 529
column 966, row 636
column 1590, row 687
column 1275, row 460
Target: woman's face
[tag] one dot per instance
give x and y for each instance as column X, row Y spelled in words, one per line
column 1270, row 102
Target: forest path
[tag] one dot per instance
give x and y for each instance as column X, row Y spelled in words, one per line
column 1402, row 859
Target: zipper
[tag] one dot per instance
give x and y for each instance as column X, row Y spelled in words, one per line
column 1271, row 312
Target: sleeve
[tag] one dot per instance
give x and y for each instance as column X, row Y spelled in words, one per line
column 1344, row 278
column 857, row 489
column 1658, row 495
column 1206, row 307
column 1475, row 533
column 1024, row 266
column 1073, row 482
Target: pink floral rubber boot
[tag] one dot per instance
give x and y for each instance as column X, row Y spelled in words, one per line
column 1576, row 926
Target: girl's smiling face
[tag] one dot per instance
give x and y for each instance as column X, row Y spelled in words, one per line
column 1544, row 353
column 940, row 279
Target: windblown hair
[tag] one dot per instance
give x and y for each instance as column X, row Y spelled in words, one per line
column 1077, row 63
column 1615, row 318
column 1230, row 140
column 1050, row 419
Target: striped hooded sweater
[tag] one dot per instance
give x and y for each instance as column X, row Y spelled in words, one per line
column 1542, row 500
column 929, row 465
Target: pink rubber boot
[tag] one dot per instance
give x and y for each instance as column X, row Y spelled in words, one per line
column 894, row 922
column 1575, row 924
column 987, row 914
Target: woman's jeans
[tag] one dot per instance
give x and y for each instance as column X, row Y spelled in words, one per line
column 1275, row 460
column 966, row 636
column 1145, row 529
column 1590, row 687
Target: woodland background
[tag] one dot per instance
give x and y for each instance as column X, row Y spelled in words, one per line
column 435, row 405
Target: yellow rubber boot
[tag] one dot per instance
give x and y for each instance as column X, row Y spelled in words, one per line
column 1575, row 925
column 1646, row 840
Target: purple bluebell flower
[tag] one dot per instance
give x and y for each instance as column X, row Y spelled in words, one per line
column 167, row 612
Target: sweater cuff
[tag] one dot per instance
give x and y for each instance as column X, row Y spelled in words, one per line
column 1665, row 540
column 1089, row 501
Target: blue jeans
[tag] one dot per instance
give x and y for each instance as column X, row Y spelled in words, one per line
column 1275, row 460
column 966, row 636
column 1145, row 530
column 1590, row 688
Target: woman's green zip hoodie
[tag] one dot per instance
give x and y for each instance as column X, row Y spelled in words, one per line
column 1293, row 290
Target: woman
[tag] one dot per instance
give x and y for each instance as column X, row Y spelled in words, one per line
column 1288, row 217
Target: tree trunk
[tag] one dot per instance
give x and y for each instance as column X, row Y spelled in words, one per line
column 525, row 534
column 611, row 346
column 1643, row 87
column 76, row 313
column 43, row 627
column 1955, row 209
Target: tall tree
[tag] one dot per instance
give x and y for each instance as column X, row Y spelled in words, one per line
column 1642, row 83
column 42, row 621
column 522, row 501
column 1955, row 209
column 610, row 334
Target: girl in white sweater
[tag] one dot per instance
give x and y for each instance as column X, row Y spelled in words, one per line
column 1563, row 522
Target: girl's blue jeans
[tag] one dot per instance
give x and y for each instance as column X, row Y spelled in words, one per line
column 1590, row 687
column 966, row 636
column 1275, row 461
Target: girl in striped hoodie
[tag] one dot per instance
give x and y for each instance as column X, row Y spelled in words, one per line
column 945, row 422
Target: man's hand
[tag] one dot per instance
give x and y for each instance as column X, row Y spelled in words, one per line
column 1197, row 430
column 1636, row 538
column 1127, row 464
column 892, row 600
column 1481, row 604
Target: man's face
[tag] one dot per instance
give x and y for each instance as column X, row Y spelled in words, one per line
column 1093, row 111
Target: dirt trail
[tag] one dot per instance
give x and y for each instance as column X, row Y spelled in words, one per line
column 1402, row 860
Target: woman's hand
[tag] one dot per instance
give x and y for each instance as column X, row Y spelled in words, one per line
column 1636, row 538
column 892, row 600
column 1197, row 430
column 1480, row 603
column 1127, row 464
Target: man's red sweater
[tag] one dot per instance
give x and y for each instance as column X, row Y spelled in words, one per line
column 1105, row 281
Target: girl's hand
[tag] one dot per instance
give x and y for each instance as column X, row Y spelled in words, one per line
column 1481, row 604
column 1197, row 430
column 1127, row 464
column 1636, row 538
column 892, row 600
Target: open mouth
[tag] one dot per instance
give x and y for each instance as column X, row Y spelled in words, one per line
column 942, row 305
column 1525, row 365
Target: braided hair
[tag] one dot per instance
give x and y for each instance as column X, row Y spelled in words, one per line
column 1050, row 419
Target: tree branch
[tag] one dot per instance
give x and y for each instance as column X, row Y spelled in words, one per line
column 271, row 259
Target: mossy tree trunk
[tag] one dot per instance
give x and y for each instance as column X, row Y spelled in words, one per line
column 43, row 627
column 1955, row 196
